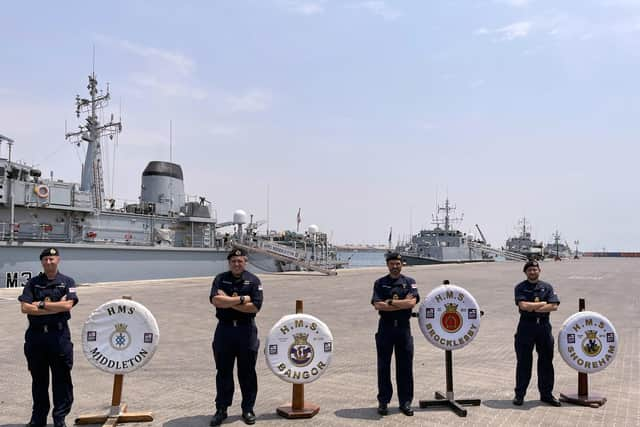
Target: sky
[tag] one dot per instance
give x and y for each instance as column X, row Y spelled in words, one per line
column 363, row 114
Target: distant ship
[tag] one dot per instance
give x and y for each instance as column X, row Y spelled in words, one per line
column 444, row 244
column 164, row 235
column 294, row 251
column 558, row 249
column 523, row 243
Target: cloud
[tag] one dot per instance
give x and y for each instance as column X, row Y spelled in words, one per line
column 182, row 63
column 514, row 3
column 510, row 32
column 251, row 101
column 621, row 3
column 379, row 8
column 303, row 7
column 171, row 89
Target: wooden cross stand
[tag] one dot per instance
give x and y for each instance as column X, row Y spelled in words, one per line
column 583, row 398
column 298, row 407
column 118, row 412
column 447, row 400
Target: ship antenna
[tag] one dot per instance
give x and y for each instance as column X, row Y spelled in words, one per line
column 92, row 132
column 171, row 141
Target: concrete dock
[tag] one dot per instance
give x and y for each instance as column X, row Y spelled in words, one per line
column 178, row 385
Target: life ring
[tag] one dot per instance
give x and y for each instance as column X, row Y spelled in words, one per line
column 588, row 342
column 41, row 191
column 120, row 336
column 449, row 317
column 299, row 348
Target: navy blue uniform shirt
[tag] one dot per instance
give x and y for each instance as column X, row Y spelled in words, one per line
column 535, row 292
column 389, row 288
column 247, row 284
column 41, row 288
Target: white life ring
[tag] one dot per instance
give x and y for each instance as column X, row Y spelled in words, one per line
column 449, row 317
column 588, row 342
column 120, row 336
column 299, row 348
column 41, row 191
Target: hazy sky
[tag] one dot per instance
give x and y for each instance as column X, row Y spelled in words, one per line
column 361, row 113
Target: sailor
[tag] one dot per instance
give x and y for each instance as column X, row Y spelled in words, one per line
column 394, row 296
column 47, row 300
column 535, row 300
column 237, row 296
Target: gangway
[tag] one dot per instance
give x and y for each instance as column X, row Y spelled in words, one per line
column 509, row 255
column 297, row 261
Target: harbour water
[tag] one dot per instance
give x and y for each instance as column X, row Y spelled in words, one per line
column 362, row 258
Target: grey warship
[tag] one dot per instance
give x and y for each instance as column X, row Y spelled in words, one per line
column 524, row 244
column 164, row 235
column 444, row 244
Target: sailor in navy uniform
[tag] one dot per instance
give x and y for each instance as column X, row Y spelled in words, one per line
column 237, row 296
column 535, row 300
column 47, row 300
column 394, row 296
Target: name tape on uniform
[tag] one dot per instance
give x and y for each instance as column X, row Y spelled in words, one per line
column 449, row 317
column 588, row 342
column 299, row 348
column 120, row 336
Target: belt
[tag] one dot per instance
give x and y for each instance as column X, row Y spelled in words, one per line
column 395, row 323
column 235, row 322
column 534, row 319
column 48, row 327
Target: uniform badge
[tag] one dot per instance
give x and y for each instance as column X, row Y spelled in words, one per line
column 591, row 344
column 235, row 294
column 451, row 319
column 47, row 299
column 300, row 352
column 395, row 296
column 120, row 338
column 537, row 299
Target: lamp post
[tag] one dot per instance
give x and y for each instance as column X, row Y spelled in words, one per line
column 576, row 242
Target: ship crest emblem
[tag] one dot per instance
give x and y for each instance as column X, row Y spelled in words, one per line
column 120, row 338
column 301, row 352
column 451, row 320
column 591, row 344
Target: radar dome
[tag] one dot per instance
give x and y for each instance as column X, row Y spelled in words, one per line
column 239, row 217
column 313, row 229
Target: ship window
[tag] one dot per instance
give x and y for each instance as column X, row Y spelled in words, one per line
column 2, row 172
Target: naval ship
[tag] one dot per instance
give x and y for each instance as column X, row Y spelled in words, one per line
column 523, row 243
column 557, row 249
column 444, row 244
column 163, row 235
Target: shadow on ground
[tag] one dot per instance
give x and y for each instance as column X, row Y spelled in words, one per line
column 359, row 413
column 203, row 420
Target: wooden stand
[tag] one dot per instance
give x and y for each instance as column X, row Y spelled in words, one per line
column 298, row 407
column 447, row 400
column 118, row 412
column 583, row 398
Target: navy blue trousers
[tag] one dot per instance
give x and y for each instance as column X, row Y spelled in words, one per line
column 50, row 351
column 532, row 334
column 389, row 339
column 231, row 343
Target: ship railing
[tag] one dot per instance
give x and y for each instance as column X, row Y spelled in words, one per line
column 309, row 266
column 512, row 256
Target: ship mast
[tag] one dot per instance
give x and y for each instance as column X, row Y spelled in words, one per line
column 447, row 218
column 92, row 132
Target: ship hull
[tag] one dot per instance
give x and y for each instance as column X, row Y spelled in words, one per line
column 101, row 263
column 417, row 260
